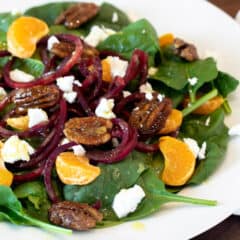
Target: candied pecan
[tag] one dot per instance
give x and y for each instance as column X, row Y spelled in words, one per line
column 65, row 49
column 76, row 216
column 77, row 14
column 37, row 96
column 150, row 116
column 88, row 130
column 185, row 50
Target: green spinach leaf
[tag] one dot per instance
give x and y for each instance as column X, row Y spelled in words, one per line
column 140, row 34
column 225, row 83
column 59, row 29
column 175, row 74
column 113, row 178
column 6, row 19
column 11, row 210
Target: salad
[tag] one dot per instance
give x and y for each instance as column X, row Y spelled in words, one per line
column 103, row 120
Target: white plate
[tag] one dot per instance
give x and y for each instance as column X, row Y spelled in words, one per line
column 213, row 32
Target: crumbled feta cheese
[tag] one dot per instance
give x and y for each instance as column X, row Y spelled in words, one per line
column 51, row 41
column 193, row 81
column 36, row 116
column 149, row 96
column 152, row 71
column 126, row 94
column 118, row 67
column 20, row 76
column 65, row 83
column 160, row 97
column 193, row 145
column 70, row 96
column 98, row 34
column 207, row 121
column 237, row 17
column 77, row 83
column 64, row 141
column 104, row 108
column 127, row 200
column 202, row 151
column 79, row 150
column 3, row 93
column 115, row 17
column 235, row 130
column 15, row 149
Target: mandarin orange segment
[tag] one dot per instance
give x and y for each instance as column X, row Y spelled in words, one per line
column 166, row 39
column 173, row 122
column 106, row 71
column 75, row 170
column 19, row 123
column 23, row 35
column 179, row 161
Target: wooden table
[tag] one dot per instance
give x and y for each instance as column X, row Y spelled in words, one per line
column 230, row 228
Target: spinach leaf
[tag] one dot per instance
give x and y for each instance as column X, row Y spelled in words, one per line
column 48, row 12
column 175, row 74
column 11, row 210
column 6, row 19
column 156, row 196
column 225, row 83
column 113, row 178
column 3, row 41
column 105, row 16
column 216, row 137
column 140, row 34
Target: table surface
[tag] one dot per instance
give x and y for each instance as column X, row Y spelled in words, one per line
column 230, row 228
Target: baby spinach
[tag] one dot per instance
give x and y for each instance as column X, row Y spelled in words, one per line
column 216, row 136
column 225, row 83
column 140, row 34
column 60, row 29
column 113, row 178
column 12, row 210
column 6, row 19
column 175, row 74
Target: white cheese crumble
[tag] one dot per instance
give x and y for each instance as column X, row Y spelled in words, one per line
column 193, row 81
column 126, row 94
column 194, row 147
column 51, row 41
column 118, row 67
column 77, row 83
column 98, row 34
column 36, row 116
column 235, row 130
column 65, row 83
column 237, row 17
column 152, row 71
column 149, row 96
column 127, row 200
column 15, row 149
column 70, row 97
column 79, row 150
column 202, row 151
column 147, row 89
column 104, row 108
column 160, row 97
column 64, row 141
column 207, row 121
column 3, row 93
column 115, row 17
column 20, row 76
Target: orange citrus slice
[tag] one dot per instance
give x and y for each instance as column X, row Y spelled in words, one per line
column 173, row 122
column 6, row 177
column 23, row 35
column 179, row 161
column 166, row 39
column 73, row 169
column 19, row 123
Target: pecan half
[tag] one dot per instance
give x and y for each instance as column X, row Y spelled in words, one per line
column 65, row 49
column 77, row 14
column 37, row 96
column 185, row 50
column 150, row 116
column 88, row 130
column 76, row 216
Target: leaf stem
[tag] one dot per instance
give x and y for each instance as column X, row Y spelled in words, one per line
column 192, row 96
column 199, row 102
column 227, row 107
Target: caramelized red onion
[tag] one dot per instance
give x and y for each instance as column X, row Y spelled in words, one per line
column 147, row 148
column 49, row 77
